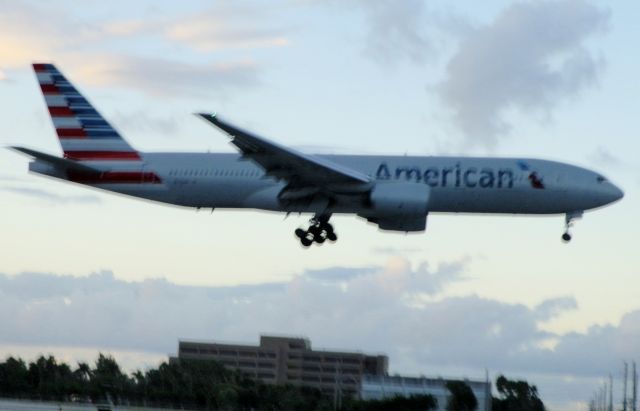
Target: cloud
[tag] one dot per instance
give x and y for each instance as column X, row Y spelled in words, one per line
column 161, row 77
column 338, row 274
column 100, row 310
column 404, row 31
column 75, row 49
column 395, row 250
column 128, row 27
column 531, row 57
column 141, row 121
column 2, row 76
column 595, row 352
column 49, row 196
column 398, row 308
column 396, row 30
column 21, row 44
column 225, row 27
column 604, row 158
column 553, row 307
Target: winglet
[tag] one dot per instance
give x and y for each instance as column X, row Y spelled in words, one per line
column 214, row 119
column 210, row 117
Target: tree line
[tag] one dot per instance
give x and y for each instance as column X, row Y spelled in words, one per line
column 187, row 384
column 208, row 385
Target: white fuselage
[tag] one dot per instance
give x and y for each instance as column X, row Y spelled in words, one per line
column 394, row 192
column 455, row 184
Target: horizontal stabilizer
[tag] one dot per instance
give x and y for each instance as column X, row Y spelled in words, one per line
column 59, row 162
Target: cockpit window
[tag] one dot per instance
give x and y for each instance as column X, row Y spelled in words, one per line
column 601, row 179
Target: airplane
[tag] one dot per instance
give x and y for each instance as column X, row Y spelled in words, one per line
column 396, row 193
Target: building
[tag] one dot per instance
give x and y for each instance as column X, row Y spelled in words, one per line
column 286, row 360
column 382, row 386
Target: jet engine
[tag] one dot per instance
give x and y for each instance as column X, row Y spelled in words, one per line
column 399, row 206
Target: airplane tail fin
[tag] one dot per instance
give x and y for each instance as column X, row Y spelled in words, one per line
column 84, row 134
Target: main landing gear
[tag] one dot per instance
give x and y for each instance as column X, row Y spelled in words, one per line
column 319, row 231
column 568, row 223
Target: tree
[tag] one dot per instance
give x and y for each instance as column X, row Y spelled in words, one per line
column 516, row 396
column 83, row 372
column 49, row 380
column 13, row 378
column 462, row 397
column 184, row 384
column 108, row 380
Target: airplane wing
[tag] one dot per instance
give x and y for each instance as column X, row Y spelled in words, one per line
column 283, row 163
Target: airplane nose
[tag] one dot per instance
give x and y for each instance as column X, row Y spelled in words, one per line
column 605, row 193
column 617, row 193
column 611, row 193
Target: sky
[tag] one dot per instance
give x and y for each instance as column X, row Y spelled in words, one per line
column 84, row 271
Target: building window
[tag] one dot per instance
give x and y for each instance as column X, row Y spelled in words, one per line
column 227, row 352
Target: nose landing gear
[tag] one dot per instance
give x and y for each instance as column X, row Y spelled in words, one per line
column 568, row 223
column 319, row 231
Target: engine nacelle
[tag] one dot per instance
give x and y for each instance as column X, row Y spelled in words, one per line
column 399, row 206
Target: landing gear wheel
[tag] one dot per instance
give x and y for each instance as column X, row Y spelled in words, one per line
column 300, row 233
column 568, row 223
column 319, row 231
column 306, row 237
column 315, row 230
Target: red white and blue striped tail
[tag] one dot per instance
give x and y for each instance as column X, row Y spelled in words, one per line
column 88, row 139
column 84, row 134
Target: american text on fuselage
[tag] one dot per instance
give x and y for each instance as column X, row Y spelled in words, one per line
column 454, row 176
